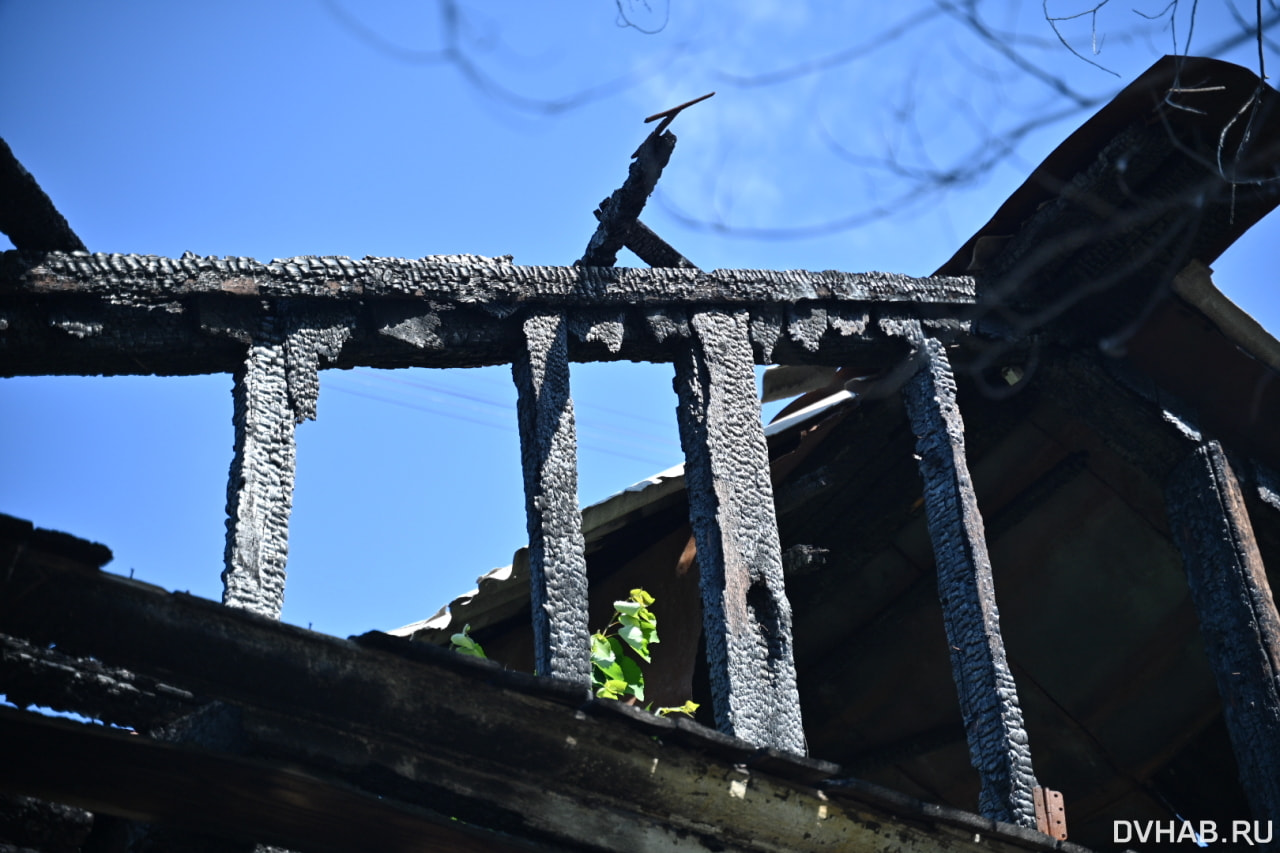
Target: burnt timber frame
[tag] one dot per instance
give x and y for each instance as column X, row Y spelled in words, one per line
column 282, row 368
column 746, row 614
column 1237, row 614
column 274, row 325
column 406, row 742
column 998, row 742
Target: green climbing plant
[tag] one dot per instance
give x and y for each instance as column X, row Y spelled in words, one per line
column 615, row 673
column 462, row 643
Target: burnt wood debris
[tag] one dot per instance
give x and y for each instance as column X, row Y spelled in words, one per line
column 379, row 743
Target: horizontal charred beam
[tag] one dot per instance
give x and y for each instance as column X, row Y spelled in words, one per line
column 35, row 675
column 391, row 735
column 99, row 314
column 466, row 279
column 254, row 801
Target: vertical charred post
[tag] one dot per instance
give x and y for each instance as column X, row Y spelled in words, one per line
column 1237, row 613
column 549, row 457
column 998, row 744
column 746, row 615
column 275, row 389
column 260, row 486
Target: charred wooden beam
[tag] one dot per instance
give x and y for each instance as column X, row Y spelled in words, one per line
column 549, row 457
column 998, row 744
column 28, row 823
column 652, row 249
column 27, row 216
column 125, row 314
column 275, row 389
column 32, row 674
column 618, row 213
column 461, row 279
column 139, row 778
column 260, row 483
column 1237, row 613
column 390, row 735
column 746, row 615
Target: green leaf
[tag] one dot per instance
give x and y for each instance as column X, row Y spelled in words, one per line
column 604, row 662
column 628, row 608
column 635, row 637
column 643, row 597
column 612, row 689
column 601, row 648
column 462, row 643
column 633, row 676
column 688, row 708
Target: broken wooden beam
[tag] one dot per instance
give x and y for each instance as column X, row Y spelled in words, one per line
column 27, row 215
column 746, row 615
column 619, row 211
column 1237, row 612
column 549, row 457
column 650, row 248
column 998, row 743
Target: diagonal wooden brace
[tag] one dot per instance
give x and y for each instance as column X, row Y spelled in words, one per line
column 619, row 212
column 998, row 744
column 1237, row 615
column 549, row 455
column 746, row 615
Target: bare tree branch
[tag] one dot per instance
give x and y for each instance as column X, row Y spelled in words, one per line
column 843, row 57
column 625, row 19
column 1093, row 29
column 454, row 53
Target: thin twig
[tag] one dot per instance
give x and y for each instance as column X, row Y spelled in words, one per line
column 1093, row 29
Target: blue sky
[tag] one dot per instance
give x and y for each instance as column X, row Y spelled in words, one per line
column 323, row 127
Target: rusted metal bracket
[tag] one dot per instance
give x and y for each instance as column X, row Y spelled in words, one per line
column 1051, row 813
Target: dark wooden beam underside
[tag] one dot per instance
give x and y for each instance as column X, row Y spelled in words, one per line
column 531, row 758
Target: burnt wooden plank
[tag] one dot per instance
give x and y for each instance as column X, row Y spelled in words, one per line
column 32, row 674
column 424, row 727
column 652, row 249
column 463, row 279
column 119, row 773
column 1237, row 613
column 27, row 216
column 275, row 389
column 260, row 483
column 998, row 744
column 746, row 615
column 549, row 458
column 127, row 314
column 618, row 213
